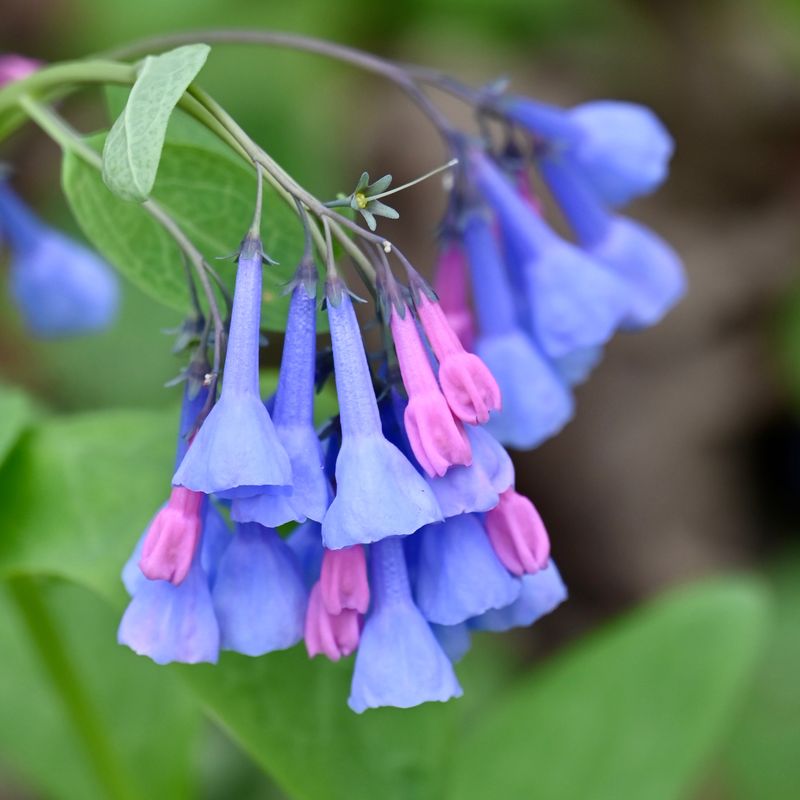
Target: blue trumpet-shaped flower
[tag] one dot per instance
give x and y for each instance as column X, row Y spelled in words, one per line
column 571, row 302
column 621, row 149
column 60, row 287
column 379, row 493
column 458, row 574
column 536, row 404
column 399, row 662
column 172, row 623
column 236, row 452
column 259, row 595
column 649, row 267
column 305, row 541
column 541, row 592
column 455, row 640
column 293, row 415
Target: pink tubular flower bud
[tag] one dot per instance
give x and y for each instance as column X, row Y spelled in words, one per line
column 450, row 283
column 467, row 384
column 14, row 67
column 172, row 537
column 332, row 635
column 517, row 534
column 436, row 437
column 343, row 580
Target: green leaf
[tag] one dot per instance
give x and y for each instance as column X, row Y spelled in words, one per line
column 211, row 196
column 133, row 147
column 632, row 713
column 128, row 695
column 761, row 760
column 16, row 413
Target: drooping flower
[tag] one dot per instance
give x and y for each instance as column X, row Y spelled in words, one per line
column 60, row 287
column 436, row 437
column 293, row 416
column 236, row 452
column 571, row 302
column 455, row 640
column 169, row 623
column 541, row 592
column 467, row 384
column 622, row 149
column 649, row 267
column 399, row 662
column 517, row 534
column 536, row 405
column 331, row 635
column 451, row 282
column 259, row 595
column 305, row 541
column 458, row 574
column 378, row 491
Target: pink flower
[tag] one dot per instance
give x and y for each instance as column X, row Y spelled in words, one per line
column 343, row 580
column 436, row 437
column 14, row 68
column 332, row 635
column 468, row 386
column 450, row 283
column 517, row 534
column 172, row 537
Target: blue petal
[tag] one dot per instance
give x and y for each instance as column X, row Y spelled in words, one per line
column 378, row 494
column 536, row 404
column 132, row 576
column 650, row 268
column 259, row 595
column 492, row 458
column 455, row 640
column 458, row 574
column 624, row 151
column 576, row 367
column 399, row 662
column 216, row 538
column 172, row 623
column 236, row 452
column 541, row 593
column 305, row 542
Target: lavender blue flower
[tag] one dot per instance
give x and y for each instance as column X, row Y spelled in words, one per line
column 172, row 623
column 293, row 416
column 458, row 574
column 399, row 662
column 60, row 287
column 622, row 149
column 540, row 594
column 455, row 640
column 536, row 404
column 575, row 368
column 305, row 541
column 259, row 595
column 236, row 452
column 379, row 493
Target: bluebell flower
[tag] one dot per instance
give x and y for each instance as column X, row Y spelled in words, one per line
column 259, row 595
column 172, row 623
column 621, row 149
column 293, row 415
column 305, row 541
column 458, row 574
column 648, row 266
column 379, row 493
column 575, row 368
column 236, row 452
column 571, row 302
column 540, row 594
column 455, row 640
column 60, row 287
column 399, row 662
column 536, row 404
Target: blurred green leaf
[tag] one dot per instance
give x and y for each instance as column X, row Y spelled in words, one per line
column 630, row 713
column 16, row 413
column 150, row 721
column 133, row 146
column 211, row 197
column 761, row 761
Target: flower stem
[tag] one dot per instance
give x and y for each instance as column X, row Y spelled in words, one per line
column 66, row 680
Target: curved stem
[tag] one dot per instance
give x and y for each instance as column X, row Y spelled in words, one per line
column 394, row 72
column 66, row 680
